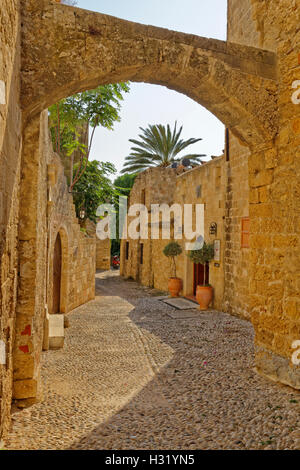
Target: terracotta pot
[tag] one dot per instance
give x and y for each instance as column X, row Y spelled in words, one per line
column 175, row 286
column 204, row 296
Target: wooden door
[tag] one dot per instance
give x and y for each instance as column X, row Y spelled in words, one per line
column 199, row 275
column 56, row 275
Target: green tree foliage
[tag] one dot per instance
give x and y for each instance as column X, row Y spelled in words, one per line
column 158, row 146
column 94, row 188
column 171, row 250
column 74, row 115
column 124, row 183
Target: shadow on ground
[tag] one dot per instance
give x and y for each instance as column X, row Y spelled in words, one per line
column 207, row 396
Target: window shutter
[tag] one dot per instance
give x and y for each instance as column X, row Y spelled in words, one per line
column 245, row 232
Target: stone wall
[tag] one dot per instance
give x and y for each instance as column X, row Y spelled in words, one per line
column 103, row 247
column 47, row 210
column 274, row 268
column 275, row 188
column 237, row 279
column 241, row 27
column 78, row 245
column 10, row 167
column 247, row 24
column 103, row 254
column 257, row 22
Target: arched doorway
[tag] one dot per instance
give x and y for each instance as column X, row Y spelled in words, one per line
column 57, row 272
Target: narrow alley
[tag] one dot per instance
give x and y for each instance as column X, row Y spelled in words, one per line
column 138, row 374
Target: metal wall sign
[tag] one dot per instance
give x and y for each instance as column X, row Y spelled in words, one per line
column 217, row 247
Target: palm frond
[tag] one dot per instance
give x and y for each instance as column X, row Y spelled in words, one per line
column 158, row 145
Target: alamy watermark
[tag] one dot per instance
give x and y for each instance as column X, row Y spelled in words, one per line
column 296, row 354
column 296, row 94
column 161, row 222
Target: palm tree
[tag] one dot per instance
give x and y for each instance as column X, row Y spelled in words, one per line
column 159, row 146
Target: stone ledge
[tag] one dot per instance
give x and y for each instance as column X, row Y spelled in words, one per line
column 276, row 368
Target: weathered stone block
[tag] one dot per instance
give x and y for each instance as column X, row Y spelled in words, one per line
column 261, row 178
column 277, row 368
column 24, row 389
column 56, row 331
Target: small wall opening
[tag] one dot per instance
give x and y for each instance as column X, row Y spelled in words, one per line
column 57, row 275
column 199, row 275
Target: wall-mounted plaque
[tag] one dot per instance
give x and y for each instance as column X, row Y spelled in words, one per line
column 213, row 228
column 217, row 247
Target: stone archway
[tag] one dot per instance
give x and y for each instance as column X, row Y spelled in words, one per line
column 85, row 49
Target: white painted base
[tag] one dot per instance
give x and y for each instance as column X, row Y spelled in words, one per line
column 56, row 331
column 2, row 92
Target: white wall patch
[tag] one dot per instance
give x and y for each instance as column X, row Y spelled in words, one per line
column 2, row 92
column 2, row 353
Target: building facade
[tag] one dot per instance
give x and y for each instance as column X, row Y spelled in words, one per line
column 143, row 259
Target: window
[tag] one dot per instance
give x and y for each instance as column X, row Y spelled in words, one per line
column 127, row 250
column 141, row 253
column 143, row 198
column 245, row 232
column 227, row 145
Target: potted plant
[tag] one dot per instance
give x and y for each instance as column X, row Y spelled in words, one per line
column 172, row 250
column 204, row 293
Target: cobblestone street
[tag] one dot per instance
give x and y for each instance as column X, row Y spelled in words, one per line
column 132, row 377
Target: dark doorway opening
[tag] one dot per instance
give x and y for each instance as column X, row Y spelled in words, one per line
column 57, row 255
column 199, row 275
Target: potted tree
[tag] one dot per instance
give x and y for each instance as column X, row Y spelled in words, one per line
column 172, row 250
column 204, row 293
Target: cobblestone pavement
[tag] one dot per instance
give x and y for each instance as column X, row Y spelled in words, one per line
column 132, row 377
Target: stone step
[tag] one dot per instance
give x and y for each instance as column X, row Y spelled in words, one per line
column 56, row 331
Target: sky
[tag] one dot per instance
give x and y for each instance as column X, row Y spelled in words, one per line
column 153, row 104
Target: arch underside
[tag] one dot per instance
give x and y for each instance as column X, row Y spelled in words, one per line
column 85, row 49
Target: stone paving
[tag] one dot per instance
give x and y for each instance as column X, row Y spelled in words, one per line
column 132, row 376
